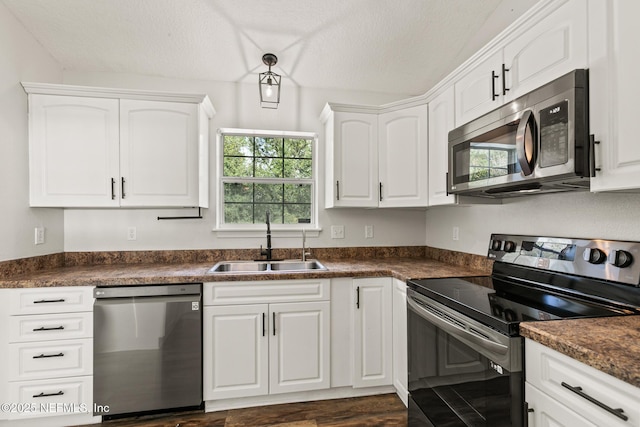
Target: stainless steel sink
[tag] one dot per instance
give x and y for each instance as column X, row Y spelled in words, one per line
column 264, row 266
column 295, row 265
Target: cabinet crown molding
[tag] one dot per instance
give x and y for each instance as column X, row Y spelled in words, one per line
column 118, row 93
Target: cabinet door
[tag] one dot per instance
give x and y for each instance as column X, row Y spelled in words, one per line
column 478, row 91
column 403, row 157
column 159, row 153
column 614, row 88
column 400, row 371
column 235, row 351
column 73, row 151
column 548, row 412
column 299, row 353
column 441, row 121
column 355, row 159
column 551, row 48
column 372, row 363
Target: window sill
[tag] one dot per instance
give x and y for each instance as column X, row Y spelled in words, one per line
column 261, row 232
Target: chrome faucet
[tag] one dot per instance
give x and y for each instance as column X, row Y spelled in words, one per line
column 305, row 254
column 267, row 252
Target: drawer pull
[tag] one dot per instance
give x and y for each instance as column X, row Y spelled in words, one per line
column 45, row 301
column 42, row 328
column 60, row 393
column 44, row 356
column 578, row 390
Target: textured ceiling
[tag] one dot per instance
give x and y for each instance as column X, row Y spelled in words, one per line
column 395, row 46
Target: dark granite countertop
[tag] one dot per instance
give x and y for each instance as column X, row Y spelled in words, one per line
column 141, row 274
column 609, row 344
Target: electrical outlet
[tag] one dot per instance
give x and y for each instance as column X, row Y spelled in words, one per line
column 337, row 231
column 456, row 233
column 131, row 233
column 368, row 231
column 39, row 235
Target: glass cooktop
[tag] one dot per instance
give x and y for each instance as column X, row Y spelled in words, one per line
column 503, row 305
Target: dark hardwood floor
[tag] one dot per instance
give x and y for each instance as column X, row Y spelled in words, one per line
column 381, row 410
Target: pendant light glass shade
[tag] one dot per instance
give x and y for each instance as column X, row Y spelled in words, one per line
column 269, row 83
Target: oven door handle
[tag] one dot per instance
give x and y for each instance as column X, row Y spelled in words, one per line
column 453, row 329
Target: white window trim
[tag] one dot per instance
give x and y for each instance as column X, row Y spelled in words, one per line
column 257, row 230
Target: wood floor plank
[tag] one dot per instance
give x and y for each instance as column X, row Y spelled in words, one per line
column 376, row 411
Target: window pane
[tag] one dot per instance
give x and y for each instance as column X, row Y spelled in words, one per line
column 295, row 214
column 238, row 166
column 297, row 193
column 238, row 145
column 234, row 192
column 297, row 148
column 268, row 193
column 238, row 213
column 268, row 168
column 275, row 212
column 268, row 147
column 299, row 169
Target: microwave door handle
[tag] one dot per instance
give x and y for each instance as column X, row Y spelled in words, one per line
column 527, row 142
column 477, row 342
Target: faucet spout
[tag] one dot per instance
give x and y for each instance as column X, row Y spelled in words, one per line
column 267, row 252
column 305, row 253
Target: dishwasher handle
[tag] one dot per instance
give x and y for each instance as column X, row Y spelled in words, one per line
column 147, row 291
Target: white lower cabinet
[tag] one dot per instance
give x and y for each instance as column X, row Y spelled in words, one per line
column 47, row 373
column 259, row 349
column 400, row 370
column 561, row 391
column 372, row 333
column 236, row 351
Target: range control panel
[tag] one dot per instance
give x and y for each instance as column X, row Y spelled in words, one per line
column 613, row 260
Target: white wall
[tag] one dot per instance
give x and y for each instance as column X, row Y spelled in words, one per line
column 21, row 59
column 237, row 106
column 586, row 215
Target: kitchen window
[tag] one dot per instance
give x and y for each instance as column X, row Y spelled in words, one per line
column 265, row 171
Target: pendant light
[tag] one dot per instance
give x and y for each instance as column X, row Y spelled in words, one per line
column 269, row 83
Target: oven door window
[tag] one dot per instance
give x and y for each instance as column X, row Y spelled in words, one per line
column 488, row 156
column 456, row 386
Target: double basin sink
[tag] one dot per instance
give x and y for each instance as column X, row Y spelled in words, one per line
column 266, row 266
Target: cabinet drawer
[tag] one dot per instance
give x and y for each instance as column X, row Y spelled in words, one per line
column 50, row 300
column 548, row 370
column 545, row 411
column 66, row 396
column 224, row 293
column 50, row 359
column 47, row 327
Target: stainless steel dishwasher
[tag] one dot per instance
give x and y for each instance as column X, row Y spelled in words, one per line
column 147, row 348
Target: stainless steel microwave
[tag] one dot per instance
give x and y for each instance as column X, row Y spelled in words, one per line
column 537, row 143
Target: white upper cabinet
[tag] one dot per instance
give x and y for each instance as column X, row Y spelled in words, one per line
column 403, row 154
column 352, row 159
column 94, row 147
column 441, row 121
column 554, row 46
column 73, row 151
column 614, row 89
column 476, row 92
column 159, row 153
column 376, row 157
column 544, row 46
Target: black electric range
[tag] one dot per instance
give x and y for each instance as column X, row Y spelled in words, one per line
column 465, row 353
